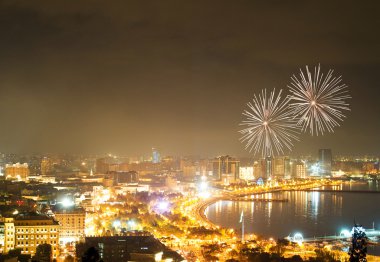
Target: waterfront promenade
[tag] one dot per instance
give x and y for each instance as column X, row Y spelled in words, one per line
column 257, row 194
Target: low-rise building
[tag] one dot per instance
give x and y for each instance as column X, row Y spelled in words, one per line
column 72, row 221
column 28, row 230
column 128, row 248
column 9, row 234
column 2, row 237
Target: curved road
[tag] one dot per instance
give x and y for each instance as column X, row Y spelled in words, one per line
column 201, row 207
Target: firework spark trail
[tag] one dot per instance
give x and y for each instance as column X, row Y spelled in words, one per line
column 270, row 127
column 317, row 101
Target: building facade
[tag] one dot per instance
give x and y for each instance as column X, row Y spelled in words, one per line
column 156, row 157
column 17, row 171
column 72, row 223
column 128, row 248
column 325, row 162
column 279, row 167
column 124, row 177
column 267, row 168
column 246, row 173
column 2, row 237
column 27, row 231
column 9, row 234
column 46, row 166
column 225, row 166
column 300, row 169
column 257, row 170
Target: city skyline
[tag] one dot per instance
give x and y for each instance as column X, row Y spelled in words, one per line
column 123, row 78
column 196, row 131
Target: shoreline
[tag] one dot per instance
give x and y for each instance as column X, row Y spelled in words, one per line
column 203, row 205
column 201, row 208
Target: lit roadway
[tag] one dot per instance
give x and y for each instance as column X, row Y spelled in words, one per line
column 197, row 209
column 193, row 209
column 240, row 193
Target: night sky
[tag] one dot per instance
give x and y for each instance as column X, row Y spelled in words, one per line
column 126, row 76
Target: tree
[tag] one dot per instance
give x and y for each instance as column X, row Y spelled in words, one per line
column 91, row 255
column 14, row 252
column 295, row 258
column 259, row 257
column 358, row 249
column 211, row 258
column 69, row 258
column 233, row 253
column 43, row 253
column 281, row 246
column 324, row 255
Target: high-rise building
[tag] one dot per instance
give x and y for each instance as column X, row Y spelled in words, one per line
column 17, row 171
column 288, row 168
column 377, row 166
column 325, row 162
column 300, row 169
column 195, row 167
column 204, row 167
column 257, row 169
column 225, row 165
column 102, row 165
column 189, row 171
column 156, row 157
column 267, row 168
column 106, row 164
column 279, row 167
column 46, row 166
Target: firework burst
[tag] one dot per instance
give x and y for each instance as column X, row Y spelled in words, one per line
column 269, row 125
column 317, row 101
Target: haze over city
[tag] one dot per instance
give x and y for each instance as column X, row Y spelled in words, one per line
column 95, row 77
column 189, row 131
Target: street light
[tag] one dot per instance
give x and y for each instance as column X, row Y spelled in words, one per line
column 132, row 224
column 298, row 238
column 66, row 202
column 163, row 206
column 345, row 233
column 158, row 256
column 116, row 223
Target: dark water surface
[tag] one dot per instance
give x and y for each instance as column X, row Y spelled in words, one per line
column 311, row 213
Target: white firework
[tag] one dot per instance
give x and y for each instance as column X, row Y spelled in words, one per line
column 270, row 127
column 317, row 101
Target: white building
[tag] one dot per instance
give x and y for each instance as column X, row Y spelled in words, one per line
column 246, row 173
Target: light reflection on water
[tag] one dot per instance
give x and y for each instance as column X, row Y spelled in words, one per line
column 312, row 213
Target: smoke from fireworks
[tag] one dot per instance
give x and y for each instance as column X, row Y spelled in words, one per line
column 270, row 127
column 317, row 101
